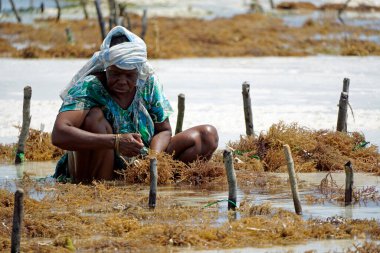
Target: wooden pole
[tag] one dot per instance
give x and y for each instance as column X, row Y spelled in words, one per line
column 340, row 11
column 69, row 35
column 181, row 113
column 346, row 85
column 231, row 179
column 124, row 13
column 153, row 183
column 247, row 110
column 42, row 7
column 15, row 11
column 349, row 183
column 113, row 13
column 272, row 4
column 83, row 3
column 342, row 113
column 59, row 10
column 100, row 19
column 25, row 125
column 18, row 213
column 293, row 180
column 144, row 24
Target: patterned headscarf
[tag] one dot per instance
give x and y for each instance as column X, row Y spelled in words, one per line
column 127, row 55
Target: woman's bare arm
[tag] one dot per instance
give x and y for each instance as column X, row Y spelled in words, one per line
column 162, row 136
column 68, row 135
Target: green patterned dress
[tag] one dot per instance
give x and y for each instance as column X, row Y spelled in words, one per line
column 149, row 106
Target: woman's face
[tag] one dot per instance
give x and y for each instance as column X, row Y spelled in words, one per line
column 121, row 80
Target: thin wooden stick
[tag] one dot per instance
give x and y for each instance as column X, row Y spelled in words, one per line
column 247, row 109
column 144, row 24
column 113, row 17
column 69, row 35
column 26, row 118
column 349, row 183
column 293, row 180
column 153, row 183
column 346, row 85
column 340, row 11
column 181, row 113
column 341, row 125
column 59, row 10
column 272, row 4
column 124, row 13
column 231, row 179
column 15, row 11
column 83, row 3
column 18, row 213
column 100, row 18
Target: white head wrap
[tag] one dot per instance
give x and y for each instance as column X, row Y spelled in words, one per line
column 127, row 55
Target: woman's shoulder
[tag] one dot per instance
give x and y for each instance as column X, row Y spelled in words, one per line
column 88, row 85
column 151, row 82
column 92, row 79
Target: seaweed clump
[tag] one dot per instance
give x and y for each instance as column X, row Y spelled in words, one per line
column 38, row 147
column 172, row 171
column 312, row 150
column 106, row 217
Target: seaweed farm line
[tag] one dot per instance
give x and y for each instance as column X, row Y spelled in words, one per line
column 291, row 89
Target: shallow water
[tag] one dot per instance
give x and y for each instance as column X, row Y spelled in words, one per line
column 313, row 246
column 192, row 196
column 292, row 89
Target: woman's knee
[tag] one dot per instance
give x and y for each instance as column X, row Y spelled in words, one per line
column 95, row 122
column 209, row 137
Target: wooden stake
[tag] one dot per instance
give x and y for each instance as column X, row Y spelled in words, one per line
column 181, row 113
column 153, row 183
column 124, row 13
column 247, row 110
column 100, row 19
column 343, row 102
column 18, row 213
column 272, row 4
column 346, row 85
column 340, row 11
column 69, row 35
column 293, row 180
column 15, row 11
column 25, row 125
column 59, row 10
column 342, row 113
column 144, row 24
column 113, row 13
column 349, row 183
column 231, row 179
column 83, row 3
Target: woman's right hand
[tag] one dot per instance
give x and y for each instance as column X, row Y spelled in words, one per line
column 130, row 144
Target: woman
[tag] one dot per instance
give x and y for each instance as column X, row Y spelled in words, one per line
column 115, row 106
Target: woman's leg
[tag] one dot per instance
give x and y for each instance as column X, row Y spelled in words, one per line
column 198, row 142
column 94, row 164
